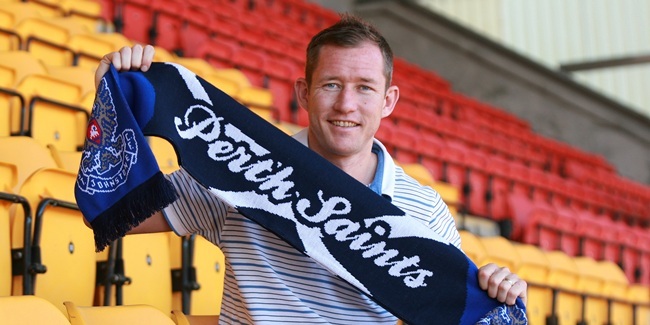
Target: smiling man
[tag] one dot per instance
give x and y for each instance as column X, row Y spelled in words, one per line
column 346, row 91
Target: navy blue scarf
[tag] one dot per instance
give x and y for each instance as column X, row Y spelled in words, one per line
column 277, row 182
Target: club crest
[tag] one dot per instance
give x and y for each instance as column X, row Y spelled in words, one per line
column 108, row 156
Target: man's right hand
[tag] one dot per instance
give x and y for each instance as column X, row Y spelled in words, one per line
column 127, row 58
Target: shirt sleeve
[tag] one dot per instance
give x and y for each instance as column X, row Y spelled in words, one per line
column 196, row 210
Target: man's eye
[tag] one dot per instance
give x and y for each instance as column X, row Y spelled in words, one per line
column 330, row 86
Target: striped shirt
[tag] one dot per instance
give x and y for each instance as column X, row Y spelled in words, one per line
column 267, row 281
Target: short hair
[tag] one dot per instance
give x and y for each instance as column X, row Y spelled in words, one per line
column 349, row 31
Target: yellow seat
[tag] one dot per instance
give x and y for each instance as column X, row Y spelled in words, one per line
column 20, row 64
column 8, row 176
column 197, row 65
column 500, row 251
column 49, row 99
column 85, row 12
column 259, row 100
column 46, row 38
column 9, row 39
column 590, row 282
column 110, row 315
column 563, row 275
column 615, row 285
column 420, row 173
column 90, row 48
column 164, row 153
column 147, row 264
column 640, row 294
column 67, row 246
column 209, row 263
column 471, row 245
column 533, row 267
column 26, row 154
column 29, row 310
column 80, row 76
column 68, row 160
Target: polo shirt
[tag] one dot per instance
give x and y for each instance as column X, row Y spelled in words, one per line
column 267, row 281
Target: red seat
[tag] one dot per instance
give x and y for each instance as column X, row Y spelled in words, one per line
column 218, row 52
column 279, row 77
column 534, row 222
column 137, row 19
column 476, row 182
column 431, row 148
column 251, row 63
column 405, row 141
column 499, row 181
column 167, row 20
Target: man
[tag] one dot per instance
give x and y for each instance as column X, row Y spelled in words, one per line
column 347, row 91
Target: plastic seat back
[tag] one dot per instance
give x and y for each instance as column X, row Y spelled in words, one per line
column 564, row 275
column 500, row 251
column 107, row 315
column 533, row 267
column 65, row 244
column 590, row 282
column 8, row 175
column 471, row 245
column 30, row 310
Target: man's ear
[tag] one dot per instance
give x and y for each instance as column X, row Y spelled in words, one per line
column 302, row 92
column 392, row 96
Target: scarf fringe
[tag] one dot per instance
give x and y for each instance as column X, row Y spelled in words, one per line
column 139, row 204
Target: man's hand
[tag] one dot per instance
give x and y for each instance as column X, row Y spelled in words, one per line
column 127, row 58
column 502, row 284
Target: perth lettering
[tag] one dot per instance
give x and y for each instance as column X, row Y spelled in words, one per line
column 272, row 180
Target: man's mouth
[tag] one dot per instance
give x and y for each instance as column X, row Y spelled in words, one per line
column 345, row 124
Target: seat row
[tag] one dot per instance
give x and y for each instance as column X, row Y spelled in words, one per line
column 28, row 309
column 564, row 289
column 47, row 251
column 486, row 178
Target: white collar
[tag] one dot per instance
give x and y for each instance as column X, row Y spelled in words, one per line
column 388, row 182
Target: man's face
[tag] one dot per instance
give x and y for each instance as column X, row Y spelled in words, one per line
column 346, row 100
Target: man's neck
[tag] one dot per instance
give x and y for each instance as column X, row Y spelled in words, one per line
column 360, row 167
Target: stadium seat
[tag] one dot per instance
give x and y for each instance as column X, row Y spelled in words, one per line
column 47, row 38
column 26, row 154
column 82, row 77
column 208, row 264
column 534, row 268
column 420, row 173
column 590, row 282
column 164, row 153
column 89, row 48
column 430, row 148
column 471, row 245
column 533, row 222
column 8, row 176
column 63, row 246
column 500, row 251
column 615, row 286
column 563, row 275
column 87, row 13
column 640, row 294
column 50, row 99
column 107, row 315
column 146, row 261
column 199, row 66
column 29, row 310
column 68, row 160
column 20, row 64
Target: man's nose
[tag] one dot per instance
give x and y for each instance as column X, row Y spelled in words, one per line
column 346, row 101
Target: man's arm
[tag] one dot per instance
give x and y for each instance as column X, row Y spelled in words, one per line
column 155, row 223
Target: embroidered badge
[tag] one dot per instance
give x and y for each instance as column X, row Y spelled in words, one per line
column 108, row 157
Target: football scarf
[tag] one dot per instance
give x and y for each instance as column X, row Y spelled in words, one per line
column 274, row 180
